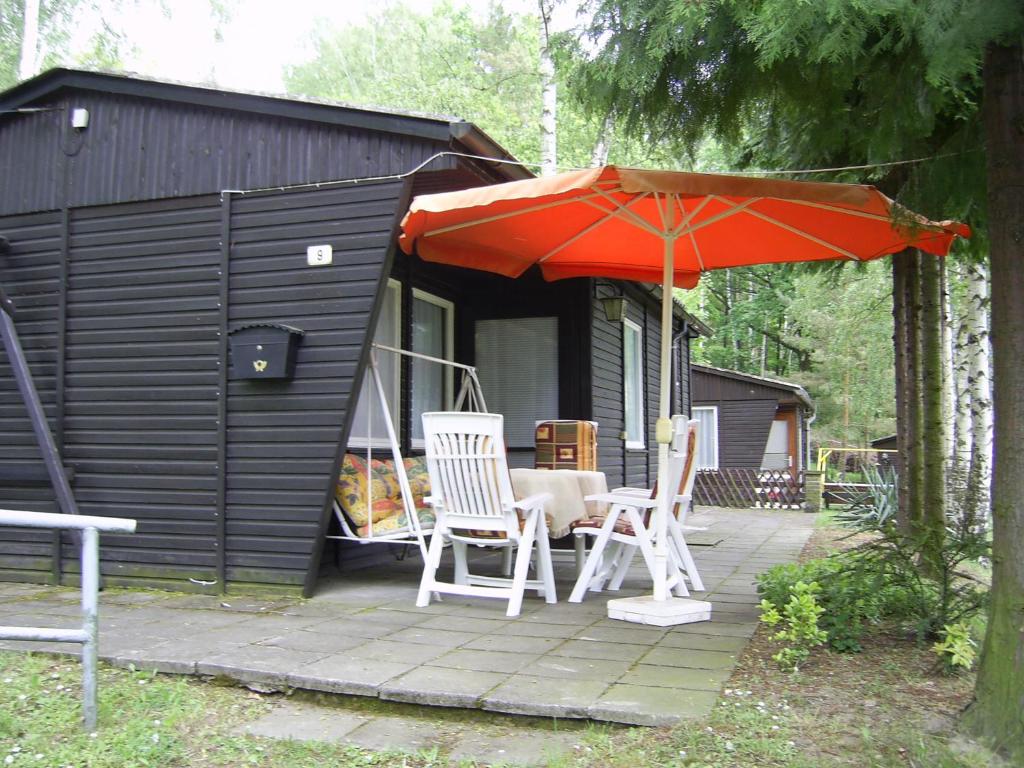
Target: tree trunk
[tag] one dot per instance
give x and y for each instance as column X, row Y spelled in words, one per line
column 963, row 350
column 997, row 714
column 29, row 61
column 603, row 142
column 948, row 392
column 913, row 462
column 976, row 498
column 549, row 96
column 901, row 264
column 933, row 416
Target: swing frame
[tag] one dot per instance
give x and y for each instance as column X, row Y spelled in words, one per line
column 470, row 398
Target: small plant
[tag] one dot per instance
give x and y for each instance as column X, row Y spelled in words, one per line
column 875, row 508
column 957, row 649
column 801, row 631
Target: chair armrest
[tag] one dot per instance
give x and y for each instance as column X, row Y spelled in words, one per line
column 624, row 499
column 537, row 500
column 632, row 491
column 433, row 501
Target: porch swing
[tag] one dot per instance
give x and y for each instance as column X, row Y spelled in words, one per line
column 470, row 398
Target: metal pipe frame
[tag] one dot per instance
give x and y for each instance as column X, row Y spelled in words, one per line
column 88, row 635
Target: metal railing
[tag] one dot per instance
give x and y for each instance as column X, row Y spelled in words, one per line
column 88, row 635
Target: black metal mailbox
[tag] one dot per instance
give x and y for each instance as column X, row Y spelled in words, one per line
column 264, row 351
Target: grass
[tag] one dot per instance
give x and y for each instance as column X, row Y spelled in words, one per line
column 887, row 707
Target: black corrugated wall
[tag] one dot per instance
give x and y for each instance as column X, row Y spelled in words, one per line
column 31, row 274
column 225, row 481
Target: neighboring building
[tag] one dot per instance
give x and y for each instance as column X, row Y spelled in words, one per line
column 147, row 229
column 750, row 422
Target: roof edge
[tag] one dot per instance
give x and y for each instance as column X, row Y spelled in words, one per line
column 796, row 389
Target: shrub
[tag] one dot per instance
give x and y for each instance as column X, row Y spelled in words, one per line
column 957, row 649
column 801, row 632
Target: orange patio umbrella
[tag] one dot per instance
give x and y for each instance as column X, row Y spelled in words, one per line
column 661, row 227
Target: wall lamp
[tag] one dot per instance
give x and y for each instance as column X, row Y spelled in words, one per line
column 615, row 308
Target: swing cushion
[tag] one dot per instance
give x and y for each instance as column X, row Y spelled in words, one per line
column 352, row 491
column 387, row 510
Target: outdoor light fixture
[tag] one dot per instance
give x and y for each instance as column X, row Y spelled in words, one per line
column 615, row 308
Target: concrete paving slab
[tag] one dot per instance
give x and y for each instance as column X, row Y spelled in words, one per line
column 439, row 637
column 647, row 705
column 693, row 658
column 464, row 624
column 703, row 642
column 675, row 677
column 622, row 633
column 484, row 661
column 257, row 663
column 389, row 650
column 521, row 750
column 304, row 722
column 526, row 694
column 304, row 640
column 441, row 686
column 343, row 674
column 353, row 626
column 401, row 734
column 527, row 645
column 580, row 669
column 538, row 629
column 596, row 649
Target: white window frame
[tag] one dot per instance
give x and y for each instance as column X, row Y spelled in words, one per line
column 395, row 396
column 714, row 433
column 449, row 351
column 628, row 326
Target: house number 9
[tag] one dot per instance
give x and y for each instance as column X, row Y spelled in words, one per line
column 319, row 255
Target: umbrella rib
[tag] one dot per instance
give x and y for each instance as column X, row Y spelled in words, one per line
column 844, row 211
column 509, row 214
column 589, row 228
column 638, row 220
column 736, row 208
column 806, row 236
column 686, row 217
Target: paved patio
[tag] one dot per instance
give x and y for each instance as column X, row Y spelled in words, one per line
column 362, row 634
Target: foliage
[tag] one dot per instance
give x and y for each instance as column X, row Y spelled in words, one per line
column 485, row 70
column 850, row 598
column 957, row 649
column 801, row 632
column 876, row 507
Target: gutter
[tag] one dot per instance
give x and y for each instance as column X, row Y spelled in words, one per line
column 479, row 143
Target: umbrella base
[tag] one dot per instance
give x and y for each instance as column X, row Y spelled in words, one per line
column 660, row 613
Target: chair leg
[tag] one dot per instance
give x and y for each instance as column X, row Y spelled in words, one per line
column 461, row 563
column 581, row 552
column 545, row 570
column 687, row 559
column 428, row 581
column 594, row 558
column 606, row 567
column 622, row 567
column 522, row 566
column 506, row 561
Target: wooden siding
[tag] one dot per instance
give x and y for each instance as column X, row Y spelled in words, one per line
column 283, row 437
column 31, row 275
column 743, row 427
column 226, row 482
column 621, row 465
column 141, row 148
column 709, row 385
column 141, row 382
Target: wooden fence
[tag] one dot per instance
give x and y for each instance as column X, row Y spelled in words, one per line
column 748, row 488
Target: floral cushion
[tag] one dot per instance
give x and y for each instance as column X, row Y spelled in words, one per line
column 354, row 498
column 399, row 522
column 387, row 510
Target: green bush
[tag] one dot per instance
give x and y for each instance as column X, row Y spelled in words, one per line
column 800, row 632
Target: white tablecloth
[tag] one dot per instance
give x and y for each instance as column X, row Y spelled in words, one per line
column 568, row 487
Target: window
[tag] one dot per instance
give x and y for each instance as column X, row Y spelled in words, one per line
column 517, row 362
column 369, row 418
column 433, row 334
column 707, row 437
column 632, row 371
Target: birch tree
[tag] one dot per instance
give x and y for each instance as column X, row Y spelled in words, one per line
column 549, row 93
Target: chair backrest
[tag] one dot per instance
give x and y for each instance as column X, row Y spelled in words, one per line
column 469, row 470
column 692, row 428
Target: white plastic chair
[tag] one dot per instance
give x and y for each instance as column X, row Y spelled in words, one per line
column 472, row 497
column 629, row 527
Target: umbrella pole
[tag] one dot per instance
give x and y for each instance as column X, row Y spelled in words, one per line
column 663, row 429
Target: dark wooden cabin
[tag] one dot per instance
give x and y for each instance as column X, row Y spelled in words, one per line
column 179, row 214
column 750, row 422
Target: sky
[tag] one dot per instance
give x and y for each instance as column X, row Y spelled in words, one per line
column 260, row 40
